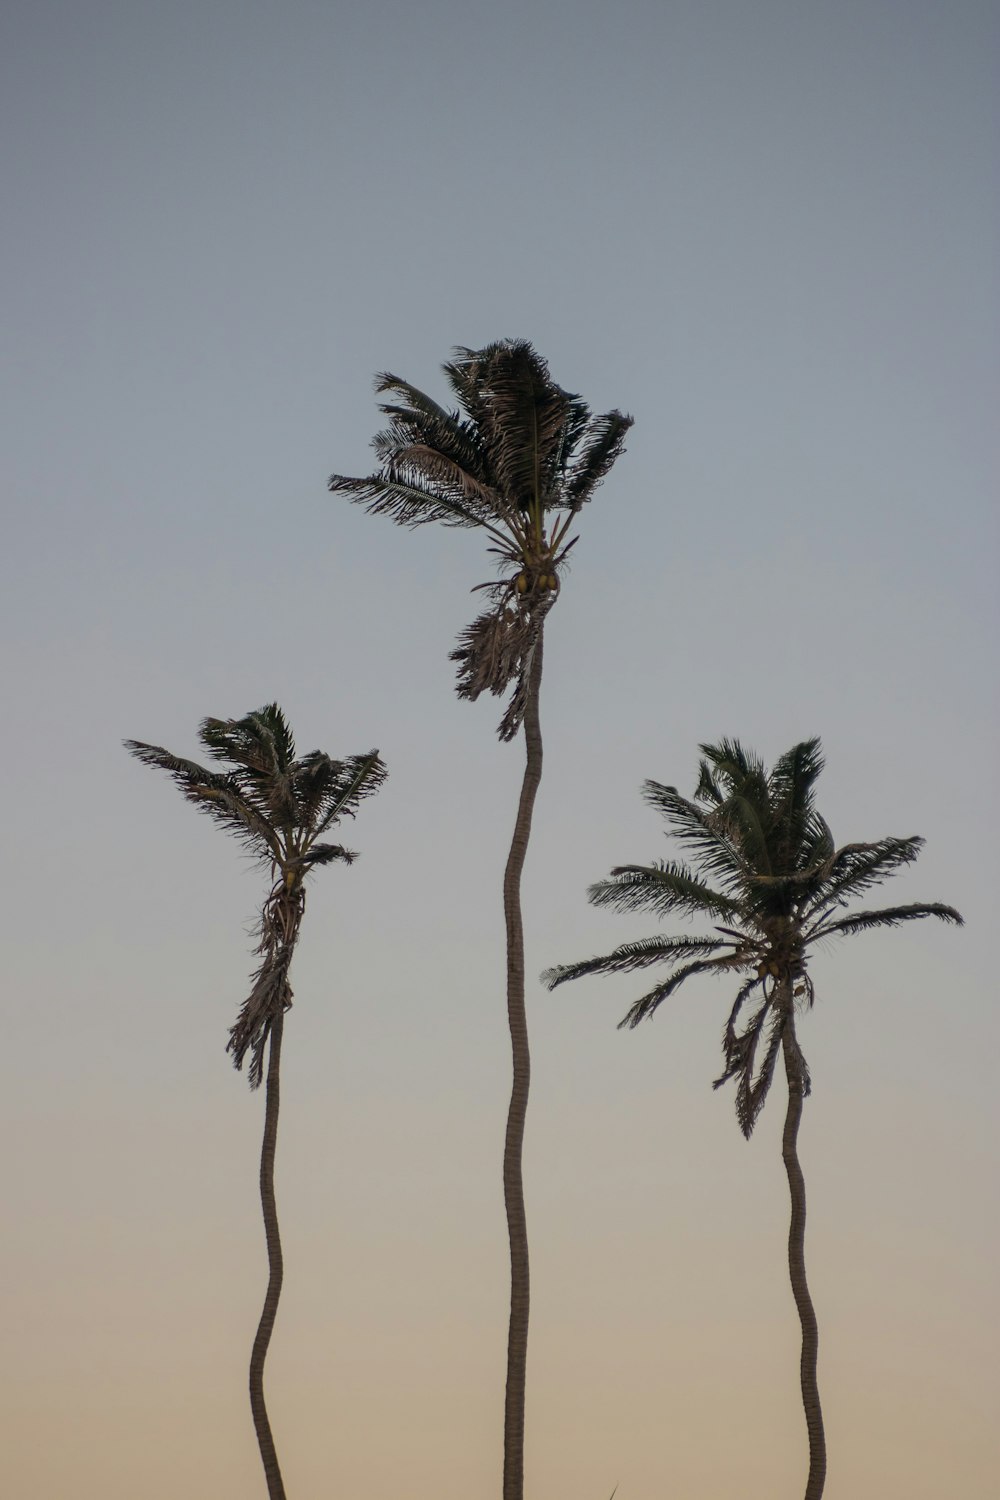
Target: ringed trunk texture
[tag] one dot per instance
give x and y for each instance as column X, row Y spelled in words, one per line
column 513, row 1186
column 797, row 1265
column 269, row 1458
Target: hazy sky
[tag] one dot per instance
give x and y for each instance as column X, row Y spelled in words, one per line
column 769, row 231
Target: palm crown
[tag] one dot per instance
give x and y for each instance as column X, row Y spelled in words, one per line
column 519, row 457
column 765, row 869
column 280, row 808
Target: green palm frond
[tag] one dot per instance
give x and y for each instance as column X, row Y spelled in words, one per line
column 858, row 867
column 428, row 421
column 731, row 769
column 464, row 374
column 753, row 1082
column 347, row 784
column 636, row 955
column 740, row 1047
column 525, row 416
column 729, row 1036
column 261, row 748
column 261, row 741
column 790, row 791
column 714, row 852
column 419, row 462
column 662, row 887
column 647, row 1005
column 325, row 854
column 889, row 916
column 743, row 821
column 220, row 796
column 602, row 446
column 817, row 844
column 407, row 503
column 733, row 783
column 238, row 815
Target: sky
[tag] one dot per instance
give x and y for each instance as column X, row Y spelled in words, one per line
column 767, row 231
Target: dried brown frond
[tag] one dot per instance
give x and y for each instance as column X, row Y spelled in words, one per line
column 497, row 649
column 271, row 992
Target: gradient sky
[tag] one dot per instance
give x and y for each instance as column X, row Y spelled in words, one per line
column 769, row 231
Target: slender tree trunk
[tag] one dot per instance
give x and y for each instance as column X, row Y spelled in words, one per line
column 269, row 1458
column 796, row 1077
column 513, row 1186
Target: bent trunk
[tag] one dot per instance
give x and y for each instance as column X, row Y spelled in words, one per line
column 795, row 1075
column 513, row 1187
column 269, row 1458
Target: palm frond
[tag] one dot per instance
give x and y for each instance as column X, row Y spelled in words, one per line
column 733, row 782
column 889, row 916
column 740, row 1049
column 602, row 446
column 745, row 822
column 406, row 503
column 752, row 1092
column 790, row 791
column 647, row 1005
column 238, row 815
column 526, row 417
column 261, row 748
column 736, row 766
column 346, row 785
column 260, row 741
column 729, row 1035
column 443, row 430
column 418, row 462
column 498, row 649
column 857, row 867
column 662, row 887
column 525, row 421
column 635, row 955
column 817, row 844
column 218, row 795
column 325, row 854
column 271, row 991
column 713, row 851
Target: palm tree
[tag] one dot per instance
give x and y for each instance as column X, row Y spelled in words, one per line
column 280, row 808
column 517, row 459
column 767, row 874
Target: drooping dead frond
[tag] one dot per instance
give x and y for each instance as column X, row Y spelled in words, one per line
column 740, row 1053
column 271, row 992
column 647, row 1005
column 497, row 649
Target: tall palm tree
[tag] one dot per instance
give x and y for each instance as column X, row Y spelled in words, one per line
column 766, row 872
column 280, row 808
column 517, row 459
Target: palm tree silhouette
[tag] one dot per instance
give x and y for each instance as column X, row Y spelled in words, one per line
column 280, row 808
column 518, row 459
column 768, row 875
